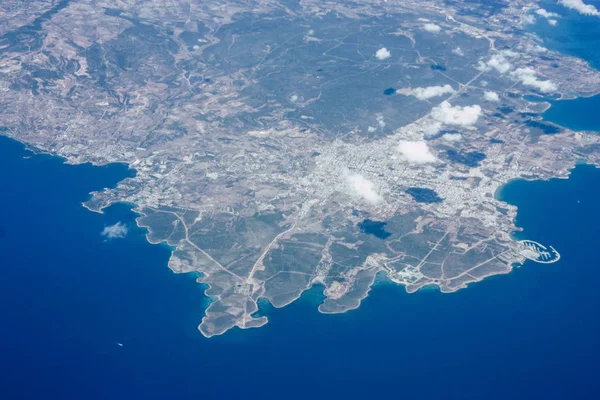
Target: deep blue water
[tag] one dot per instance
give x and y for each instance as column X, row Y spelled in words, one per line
column 579, row 36
column 67, row 296
column 575, row 34
column 581, row 114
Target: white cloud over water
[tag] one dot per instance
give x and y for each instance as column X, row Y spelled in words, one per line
column 527, row 76
column 416, row 152
column 383, row 54
column 550, row 16
column 456, row 115
column 580, row 7
column 116, row 231
column 546, row 14
column 425, row 93
column 529, row 19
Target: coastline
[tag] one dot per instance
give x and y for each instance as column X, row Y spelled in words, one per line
column 104, row 203
column 89, row 310
column 154, row 314
column 137, row 210
column 513, row 210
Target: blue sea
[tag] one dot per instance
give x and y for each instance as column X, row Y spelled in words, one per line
column 68, row 296
column 84, row 317
column 577, row 36
column 584, row 108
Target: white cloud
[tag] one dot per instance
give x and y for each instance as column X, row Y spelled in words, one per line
column 534, row 48
column 116, row 231
column 363, row 187
column 458, row 51
column 452, row 137
column 546, row 14
column 462, row 116
column 529, row 19
column 380, row 121
column 416, row 152
column 527, row 77
column 550, row 16
column 497, row 62
column 431, row 27
column 580, row 7
column 432, row 129
column 491, row 96
column 371, row 129
column 431, row 91
column 509, row 53
column 383, row 53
